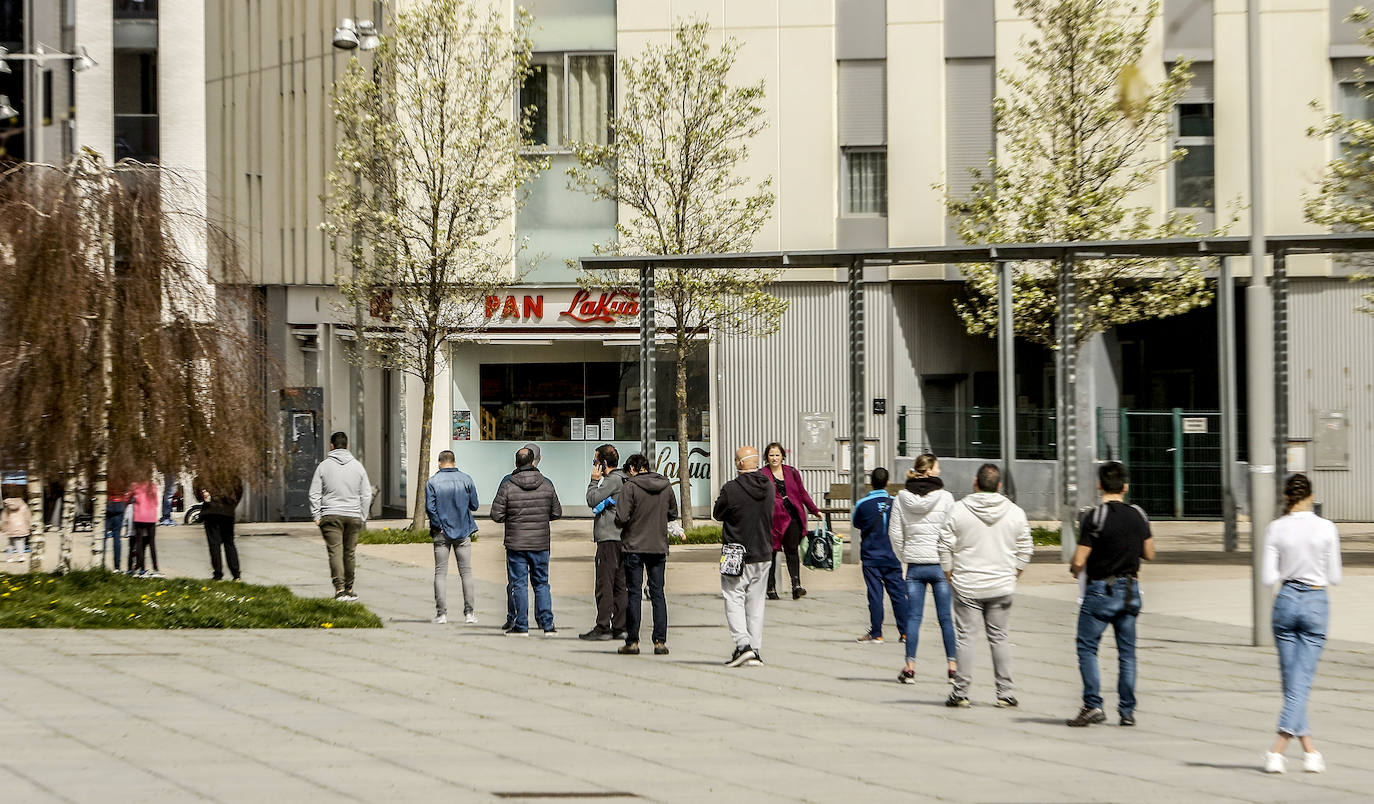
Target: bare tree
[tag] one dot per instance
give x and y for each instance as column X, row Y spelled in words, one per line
column 678, row 143
column 121, row 355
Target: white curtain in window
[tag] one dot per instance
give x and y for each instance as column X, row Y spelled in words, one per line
column 867, row 175
column 589, row 98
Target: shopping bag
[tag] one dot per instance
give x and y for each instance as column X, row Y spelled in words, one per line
column 821, row 550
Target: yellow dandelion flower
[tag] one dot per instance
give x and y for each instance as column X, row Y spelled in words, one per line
column 326, row 625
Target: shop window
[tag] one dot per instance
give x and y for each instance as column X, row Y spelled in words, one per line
column 569, row 97
column 1194, row 174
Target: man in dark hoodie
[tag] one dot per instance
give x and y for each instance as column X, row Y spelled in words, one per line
column 526, row 504
column 219, row 501
column 609, row 587
column 745, row 511
column 882, row 570
column 645, row 508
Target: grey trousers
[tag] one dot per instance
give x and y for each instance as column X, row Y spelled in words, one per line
column 462, row 553
column 994, row 613
column 341, row 543
column 744, row 596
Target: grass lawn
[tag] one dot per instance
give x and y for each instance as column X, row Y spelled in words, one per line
column 703, row 534
column 1045, row 536
column 104, row 599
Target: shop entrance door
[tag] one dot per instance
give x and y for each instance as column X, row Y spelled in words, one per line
column 302, row 418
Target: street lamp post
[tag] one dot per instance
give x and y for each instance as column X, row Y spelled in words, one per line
column 81, row 61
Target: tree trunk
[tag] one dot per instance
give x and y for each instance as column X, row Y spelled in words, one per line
column 100, row 483
column 420, row 520
column 66, row 523
column 684, row 472
column 38, row 542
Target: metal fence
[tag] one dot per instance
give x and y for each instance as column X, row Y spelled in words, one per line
column 1174, row 457
column 974, row 432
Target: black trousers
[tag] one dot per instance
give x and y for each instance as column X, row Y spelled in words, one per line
column 637, row 565
column 143, row 538
column 219, row 532
column 611, row 592
column 791, row 541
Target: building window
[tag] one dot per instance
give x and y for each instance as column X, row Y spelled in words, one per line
column 1194, row 174
column 865, row 181
column 1354, row 103
column 570, row 97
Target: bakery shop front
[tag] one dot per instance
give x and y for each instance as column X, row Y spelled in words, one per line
column 559, row 367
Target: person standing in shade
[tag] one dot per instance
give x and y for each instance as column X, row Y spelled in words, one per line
column 745, row 510
column 1302, row 554
column 643, row 511
column 450, row 499
column 145, row 505
column 919, row 514
column 881, row 568
column 1112, row 540
column 790, row 505
column 609, row 586
column 219, row 502
column 984, row 547
column 526, row 504
column 340, row 498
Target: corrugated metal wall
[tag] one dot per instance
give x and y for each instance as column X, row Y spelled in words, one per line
column 1332, row 352
column 765, row 384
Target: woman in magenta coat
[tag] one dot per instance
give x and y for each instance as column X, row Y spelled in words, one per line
column 789, row 517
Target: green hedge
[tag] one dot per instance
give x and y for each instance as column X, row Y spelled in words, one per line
column 394, row 536
column 703, row 534
column 1045, row 536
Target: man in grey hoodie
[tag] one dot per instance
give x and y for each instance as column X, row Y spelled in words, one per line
column 603, row 493
column 984, row 546
column 340, row 497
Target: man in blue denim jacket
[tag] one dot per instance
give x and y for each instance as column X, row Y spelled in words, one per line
column 450, row 499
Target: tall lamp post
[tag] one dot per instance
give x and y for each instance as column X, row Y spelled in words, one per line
column 361, row 36
column 38, row 59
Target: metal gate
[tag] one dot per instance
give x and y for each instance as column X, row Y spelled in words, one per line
column 1174, row 457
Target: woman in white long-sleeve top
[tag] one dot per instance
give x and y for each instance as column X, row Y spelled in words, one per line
column 1303, row 553
column 919, row 512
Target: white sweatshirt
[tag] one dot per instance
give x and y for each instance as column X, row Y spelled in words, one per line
column 984, row 544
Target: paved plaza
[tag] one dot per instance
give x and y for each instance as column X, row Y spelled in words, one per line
column 419, row 712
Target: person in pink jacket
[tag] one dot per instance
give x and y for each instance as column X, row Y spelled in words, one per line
column 791, row 503
column 147, row 506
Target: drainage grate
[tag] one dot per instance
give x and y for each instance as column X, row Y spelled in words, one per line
column 566, row 794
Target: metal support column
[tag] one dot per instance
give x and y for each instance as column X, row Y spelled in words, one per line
column 856, row 380
column 647, row 337
column 1006, row 374
column 1067, row 381
column 1226, row 376
column 1176, row 424
column 1280, row 285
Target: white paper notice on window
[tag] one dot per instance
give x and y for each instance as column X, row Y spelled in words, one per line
column 576, row 427
column 608, row 429
column 592, row 433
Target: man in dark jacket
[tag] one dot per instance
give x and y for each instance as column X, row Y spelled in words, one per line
column 218, row 502
column 645, row 507
column 526, row 504
column 745, row 511
column 609, row 587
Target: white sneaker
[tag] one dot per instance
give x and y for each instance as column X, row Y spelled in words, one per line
column 440, row 620
column 1273, row 763
column 470, row 617
column 1313, row 762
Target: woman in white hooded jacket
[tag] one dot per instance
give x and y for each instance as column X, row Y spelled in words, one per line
column 919, row 512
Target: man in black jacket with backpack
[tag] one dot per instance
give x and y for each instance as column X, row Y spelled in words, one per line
column 745, row 511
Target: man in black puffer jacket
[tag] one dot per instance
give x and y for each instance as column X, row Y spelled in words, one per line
column 745, row 511
column 526, row 504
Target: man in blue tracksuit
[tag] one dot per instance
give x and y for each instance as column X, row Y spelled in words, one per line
column 881, row 567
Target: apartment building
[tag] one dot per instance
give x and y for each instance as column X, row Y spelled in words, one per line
column 871, row 104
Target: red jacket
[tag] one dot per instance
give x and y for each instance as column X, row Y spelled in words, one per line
column 796, row 497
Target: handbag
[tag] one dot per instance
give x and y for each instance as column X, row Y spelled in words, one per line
column 821, row 550
column 732, row 560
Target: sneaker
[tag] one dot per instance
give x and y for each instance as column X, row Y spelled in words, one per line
column 1313, row 762
column 628, row 649
column 773, row 595
column 518, row 632
column 740, row 656
column 1007, row 702
column 508, row 626
column 869, row 638
column 157, row 574
column 660, row 648
column 1273, row 763
column 906, row 676
column 347, row 596
column 440, row 619
column 903, row 639
column 1128, row 718
column 550, row 632
column 798, row 592
column 758, row 658
column 956, row 700
column 619, row 633
column 597, row 634
column 470, row 617
column 1087, row 716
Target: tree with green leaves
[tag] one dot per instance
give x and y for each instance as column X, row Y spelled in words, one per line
column 680, row 139
column 431, row 134
column 1344, row 200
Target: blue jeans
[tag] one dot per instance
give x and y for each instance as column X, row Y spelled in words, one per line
column 1117, row 606
column 524, row 568
column 114, row 529
column 889, row 578
column 1300, row 614
column 918, row 577
column 636, row 565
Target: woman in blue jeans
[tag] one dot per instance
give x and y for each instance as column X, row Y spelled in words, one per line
column 919, row 511
column 1302, row 552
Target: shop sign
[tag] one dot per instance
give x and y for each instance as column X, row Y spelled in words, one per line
column 576, row 307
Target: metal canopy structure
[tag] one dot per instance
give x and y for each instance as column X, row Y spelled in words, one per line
column 1004, row 255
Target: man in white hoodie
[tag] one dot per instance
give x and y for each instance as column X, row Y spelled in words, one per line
column 984, row 547
column 340, row 497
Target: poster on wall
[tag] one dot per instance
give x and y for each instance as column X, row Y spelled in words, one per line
column 608, row 429
column 462, row 425
column 870, row 455
column 576, row 428
column 592, row 433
